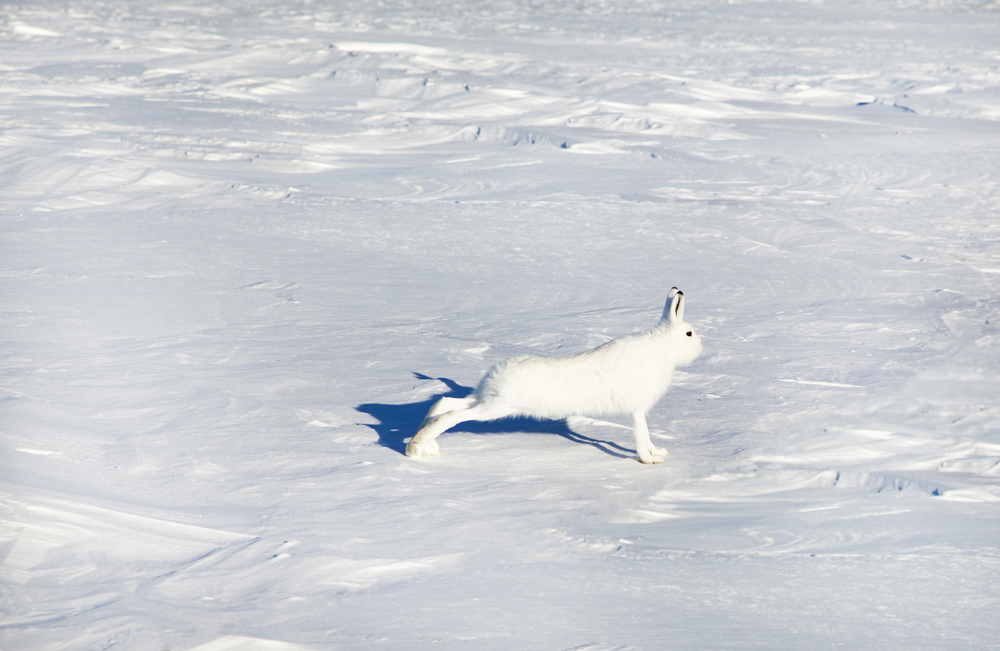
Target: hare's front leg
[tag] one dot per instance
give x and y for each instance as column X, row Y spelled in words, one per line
column 643, row 446
column 658, row 452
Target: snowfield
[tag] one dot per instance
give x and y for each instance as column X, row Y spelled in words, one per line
column 246, row 245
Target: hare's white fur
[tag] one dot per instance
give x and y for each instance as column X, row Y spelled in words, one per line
column 624, row 376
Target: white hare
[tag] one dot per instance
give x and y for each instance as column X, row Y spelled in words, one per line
column 627, row 375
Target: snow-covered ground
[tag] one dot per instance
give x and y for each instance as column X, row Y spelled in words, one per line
column 246, row 244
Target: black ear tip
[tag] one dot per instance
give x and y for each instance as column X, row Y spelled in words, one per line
column 680, row 293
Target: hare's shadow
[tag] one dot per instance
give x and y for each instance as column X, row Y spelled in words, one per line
column 399, row 422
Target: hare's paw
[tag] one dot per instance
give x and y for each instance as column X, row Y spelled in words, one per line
column 649, row 459
column 429, row 449
column 658, row 452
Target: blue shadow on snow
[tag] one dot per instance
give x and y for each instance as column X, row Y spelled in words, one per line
column 399, row 422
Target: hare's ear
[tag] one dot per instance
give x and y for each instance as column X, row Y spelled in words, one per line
column 674, row 309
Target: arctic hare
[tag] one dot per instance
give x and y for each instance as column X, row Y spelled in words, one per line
column 627, row 375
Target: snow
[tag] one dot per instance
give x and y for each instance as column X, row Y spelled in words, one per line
column 245, row 245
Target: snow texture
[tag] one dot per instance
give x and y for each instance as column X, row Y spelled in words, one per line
column 246, row 245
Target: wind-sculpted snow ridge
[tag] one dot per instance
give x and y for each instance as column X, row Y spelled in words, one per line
column 200, row 113
column 245, row 246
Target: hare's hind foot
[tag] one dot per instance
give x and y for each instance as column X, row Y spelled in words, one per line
column 428, row 449
column 649, row 459
column 658, row 452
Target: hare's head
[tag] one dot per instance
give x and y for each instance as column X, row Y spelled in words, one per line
column 684, row 340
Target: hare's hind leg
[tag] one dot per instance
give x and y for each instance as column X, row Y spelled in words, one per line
column 423, row 444
column 643, row 446
column 448, row 404
column 426, row 446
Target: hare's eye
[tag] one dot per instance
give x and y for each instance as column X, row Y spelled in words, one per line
column 689, row 333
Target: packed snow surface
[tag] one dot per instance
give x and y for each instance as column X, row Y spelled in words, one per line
column 245, row 245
